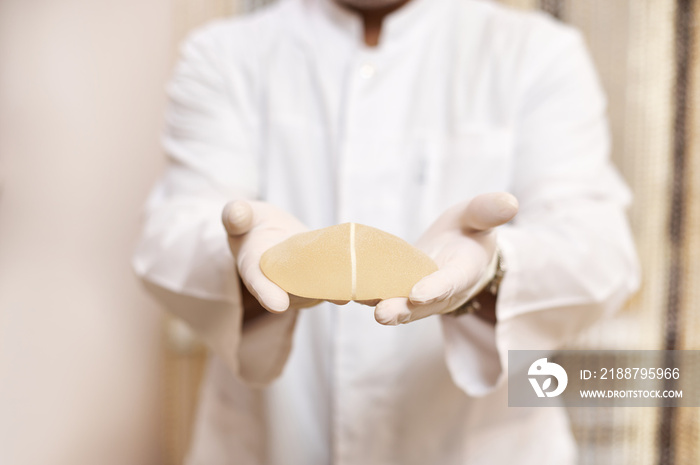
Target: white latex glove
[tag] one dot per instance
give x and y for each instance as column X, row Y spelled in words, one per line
column 253, row 227
column 463, row 244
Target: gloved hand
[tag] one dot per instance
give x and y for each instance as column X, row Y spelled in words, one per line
column 253, row 227
column 463, row 244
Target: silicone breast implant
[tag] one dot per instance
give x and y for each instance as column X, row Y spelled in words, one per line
column 349, row 261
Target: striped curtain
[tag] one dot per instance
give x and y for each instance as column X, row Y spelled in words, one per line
column 646, row 52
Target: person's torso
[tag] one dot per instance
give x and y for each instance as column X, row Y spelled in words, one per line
column 388, row 137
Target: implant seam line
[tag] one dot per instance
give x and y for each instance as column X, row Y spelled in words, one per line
column 353, row 261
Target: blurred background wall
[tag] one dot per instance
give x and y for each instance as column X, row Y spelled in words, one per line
column 81, row 96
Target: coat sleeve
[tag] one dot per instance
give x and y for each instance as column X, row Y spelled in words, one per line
column 183, row 256
column 569, row 253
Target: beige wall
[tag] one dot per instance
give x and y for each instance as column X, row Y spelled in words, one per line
column 80, row 111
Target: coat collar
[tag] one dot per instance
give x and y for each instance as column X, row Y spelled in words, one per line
column 407, row 21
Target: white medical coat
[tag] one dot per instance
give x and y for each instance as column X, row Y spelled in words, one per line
column 460, row 97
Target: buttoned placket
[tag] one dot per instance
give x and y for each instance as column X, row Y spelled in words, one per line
column 361, row 76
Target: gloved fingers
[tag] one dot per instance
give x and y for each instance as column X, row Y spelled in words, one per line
column 436, row 286
column 451, row 280
column 487, row 211
column 269, row 294
column 389, row 311
column 255, row 243
column 237, row 217
column 400, row 310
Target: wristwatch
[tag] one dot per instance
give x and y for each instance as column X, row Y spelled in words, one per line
column 474, row 305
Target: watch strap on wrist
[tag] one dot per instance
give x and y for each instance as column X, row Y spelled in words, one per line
column 473, row 304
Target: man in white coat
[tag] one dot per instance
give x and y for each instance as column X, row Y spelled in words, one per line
column 399, row 115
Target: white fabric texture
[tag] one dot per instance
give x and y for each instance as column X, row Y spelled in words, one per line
column 461, row 97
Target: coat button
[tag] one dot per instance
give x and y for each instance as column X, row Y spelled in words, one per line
column 367, row 71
